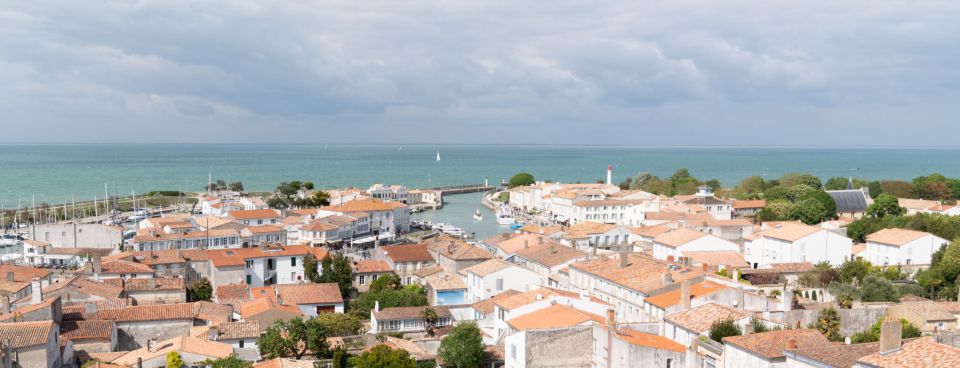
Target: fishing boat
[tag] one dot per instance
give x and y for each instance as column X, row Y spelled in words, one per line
column 505, row 216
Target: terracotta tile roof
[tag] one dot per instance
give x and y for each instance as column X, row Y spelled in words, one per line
column 550, row 255
column 318, row 226
column 119, row 266
column 840, row 356
column 858, row 248
column 929, row 311
column 916, row 204
column 587, row 229
column 87, row 330
column 488, row 267
column 408, row 253
column 325, row 293
column 678, row 237
column 80, row 251
column 920, row 352
column 517, row 242
column 771, row 344
column 751, row 204
column 27, row 273
column 169, row 256
column 664, row 216
column 364, row 205
column 253, row 214
column 643, row 274
column 86, row 285
column 427, row 271
column 650, row 231
column 650, row 341
column 486, row 306
column 284, row 363
column 370, row 266
column 187, row 344
column 260, row 305
column 266, row 229
column 786, row 231
column 409, row 312
column 160, row 283
column 671, row 298
column 445, row 281
column 700, row 319
column 14, row 315
column 895, row 237
column 238, row 330
column 543, row 230
column 720, row 223
column 148, row 313
column 716, row 258
column 461, row 250
column 554, row 316
column 25, row 334
column 233, row 292
column 520, row 299
column 237, row 256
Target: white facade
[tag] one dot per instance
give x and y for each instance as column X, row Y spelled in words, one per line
column 918, row 251
column 819, row 246
column 273, row 270
column 510, row 278
column 705, row 243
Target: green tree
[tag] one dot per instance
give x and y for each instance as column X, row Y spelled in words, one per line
column 236, row 186
column 797, row 192
column 828, row 323
column 174, row 360
column 339, row 324
column 757, row 325
column 463, row 347
column 885, row 205
column 382, row 356
column 310, row 268
column 521, row 180
column 808, row 211
column 293, row 338
column 201, row 290
column 724, row 328
column 934, row 191
column 875, row 189
column 856, row 269
column 776, row 210
column 408, row 296
column 878, row 289
column 308, row 185
column 338, row 269
column 320, row 198
column 872, row 334
column 390, row 281
column 940, row 280
column 642, row 180
column 839, row 183
column 776, row 194
column 897, row 188
column 750, row 185
column 829, row 205
column 430, row 319
column 232, row 361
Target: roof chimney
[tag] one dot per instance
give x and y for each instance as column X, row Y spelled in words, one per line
column 5, row 304
column 792, row 344
column 10, row 277
column 786, row 300
column 667, row 278
column 90, row 309
column 890, row 333
column 740, row 299
column 451, row 246
column 505, row 236
column 526, row 243
column 670, row 258
column 376, row 306
column 553, row 249
column 685, row 295
column 624, row 260
column 705, row 267
column 97, row 265
column 539, row 296
column 37, row 291
column 540, row 240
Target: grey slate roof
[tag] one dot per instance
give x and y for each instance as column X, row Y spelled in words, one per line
column 849, row 200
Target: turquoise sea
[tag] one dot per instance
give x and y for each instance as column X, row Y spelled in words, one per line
column 55, row 173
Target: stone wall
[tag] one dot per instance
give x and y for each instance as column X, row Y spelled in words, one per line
column 851, row 320
column 134, row 335
column 560, row 348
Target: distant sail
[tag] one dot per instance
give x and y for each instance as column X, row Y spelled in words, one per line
column 438, row 155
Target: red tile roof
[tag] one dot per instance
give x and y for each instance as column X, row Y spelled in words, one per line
column 253, row 214
column 771, row 344
column 408, row 253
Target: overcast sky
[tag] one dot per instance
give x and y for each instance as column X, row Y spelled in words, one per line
column 676, row 72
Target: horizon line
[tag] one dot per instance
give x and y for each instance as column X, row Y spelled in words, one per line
column 590, row 145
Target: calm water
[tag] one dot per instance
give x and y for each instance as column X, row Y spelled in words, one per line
column 55, row 173
column 458, row 210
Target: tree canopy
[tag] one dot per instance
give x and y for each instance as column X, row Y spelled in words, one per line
column 520, row 180
column 382, row 356
column 885, row 205
column 724, row 328
column 828, row 323
column 201, row 290
column 388, row 290
column 293, row 338
column 174, row 360
column 338, row 269
column 232, row 361
column 463, row 347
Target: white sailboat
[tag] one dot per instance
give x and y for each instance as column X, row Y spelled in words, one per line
column 438, row 155
column 476, row 214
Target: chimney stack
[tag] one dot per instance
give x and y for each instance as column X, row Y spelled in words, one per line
column 667, row 278
column 376, row 306
column 692, row 354
column 670, row 258
column 526, row 243
column 451, row 246
column 786, row 300
column 10, row 277
column 97, row 265
column 540, row 240
column 36, row 289
column 624, row 259
column 792, row 344
column 685, row 295
column 890, row 333
column 505, row 236
column 740, row 299
column 5, row 303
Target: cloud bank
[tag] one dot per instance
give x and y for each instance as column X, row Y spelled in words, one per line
column 570, row 72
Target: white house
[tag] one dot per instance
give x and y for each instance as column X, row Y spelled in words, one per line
column 494, row 276
column 255, row 217
column 397, row 193
column 673, row 243
column 902, row 247
column 794, row 242
column 260, row 266
column 312, row 299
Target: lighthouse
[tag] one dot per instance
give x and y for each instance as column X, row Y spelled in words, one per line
column 609, row 174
